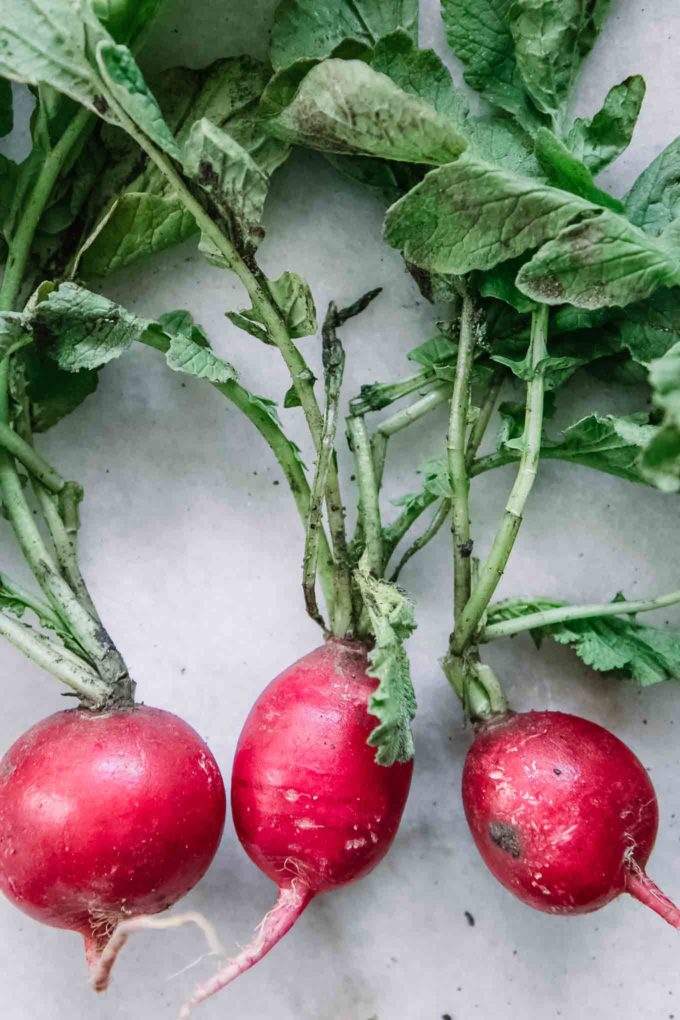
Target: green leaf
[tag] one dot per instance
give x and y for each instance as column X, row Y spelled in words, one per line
column 344, row 106
column 6, row 107
column 499, row 283
column 653, row 202
column 138, row 225
column 186, row 355
column 132, row 212
column 294, row 300
column 598, row 142
column 291, row 398
column 126, row 83
column 84, row 330
column 606, row 443
column 126, row 19
column 479, row 33
column 649, row 328
column 420, row 72
column 47, row 42
column 498, row 140
column 552, row 38
column 471, row 215
column 661, row 459
column 603, row 260
column 565, row 171
column 305, row 29
column 434, row 353
column 14, row 332
column 648, row 655
column 660, row 463
column 232, row 179
column 53, row 393
column 394, row 701
column 664, row 375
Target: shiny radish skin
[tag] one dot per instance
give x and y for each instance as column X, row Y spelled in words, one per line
column 106, row 816
column 563, row 813
column 311, row 806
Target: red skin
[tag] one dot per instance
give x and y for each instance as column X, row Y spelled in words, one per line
column 311, row 807
column 105, row 816
column 563, row 813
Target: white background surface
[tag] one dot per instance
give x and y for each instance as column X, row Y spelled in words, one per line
column 192, row 551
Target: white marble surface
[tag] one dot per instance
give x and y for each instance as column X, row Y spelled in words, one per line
column 192, row 549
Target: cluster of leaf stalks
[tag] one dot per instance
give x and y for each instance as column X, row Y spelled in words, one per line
column 539, row 272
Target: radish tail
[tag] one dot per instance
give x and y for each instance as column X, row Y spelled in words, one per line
column 291, row 902
column 101, row 960
column 639, row 885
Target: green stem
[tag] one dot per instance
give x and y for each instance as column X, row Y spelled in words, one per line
column 439, row 519
column 504, row 457
column 492, row 570
column 37, row 466
column 380, row 395
column 334, row 364
column 20, row 243
column 369, row 503
column 395, row 531
column 282, row 448
column 564, row 614
column 485, row 412
column 68, row 668
column 401, row 420
column 30, row 600
column 460, row 485
column 87, row 632
column 256, row 285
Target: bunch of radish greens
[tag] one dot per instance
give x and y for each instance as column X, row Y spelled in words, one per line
column 539, row 273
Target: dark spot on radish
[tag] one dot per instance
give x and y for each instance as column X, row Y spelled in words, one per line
column 100, row 105
column 558, row 772
column 505, row 837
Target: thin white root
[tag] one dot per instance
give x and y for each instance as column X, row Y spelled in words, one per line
column 102, row 964
column 291, row 902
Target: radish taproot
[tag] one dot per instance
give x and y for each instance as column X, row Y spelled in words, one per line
column 106, row 816
column 563, row 813
column 311, row 806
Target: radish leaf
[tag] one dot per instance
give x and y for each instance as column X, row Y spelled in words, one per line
column 654, row 200
column 344, row 106
column 306, row 29
column 421, row 73
column 648, row 655
column 394, row 701
column 479, row 33
column 552, row 37
column 598, row 142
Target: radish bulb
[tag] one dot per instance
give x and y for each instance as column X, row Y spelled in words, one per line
column 563, row 813
column 311, row 806
column 105, row 816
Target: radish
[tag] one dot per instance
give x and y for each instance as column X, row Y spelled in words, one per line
column 311, row 806
column 105, row 816
column 563, row 813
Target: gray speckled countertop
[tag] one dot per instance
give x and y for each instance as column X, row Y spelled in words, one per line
column 192, row 550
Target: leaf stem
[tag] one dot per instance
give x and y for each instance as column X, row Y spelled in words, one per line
column 486, row 410
column 30, row 600
column 51, row 656
column 281, row 447
column 38, row 467
column 257, row 287
column 369, row 503
column 460, row 485
column 334, row 364
column 88, row 632
column 564, row 614
column 439, row 519
column 20, row 243
column 418, row 409
column 492, row 570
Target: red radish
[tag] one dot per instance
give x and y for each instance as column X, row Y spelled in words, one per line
column 106, row 816
column 563, row 813
column 311, row 807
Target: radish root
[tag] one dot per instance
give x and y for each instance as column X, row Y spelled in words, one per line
column 101, row 962
column 639, row 885
column 291, row 902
